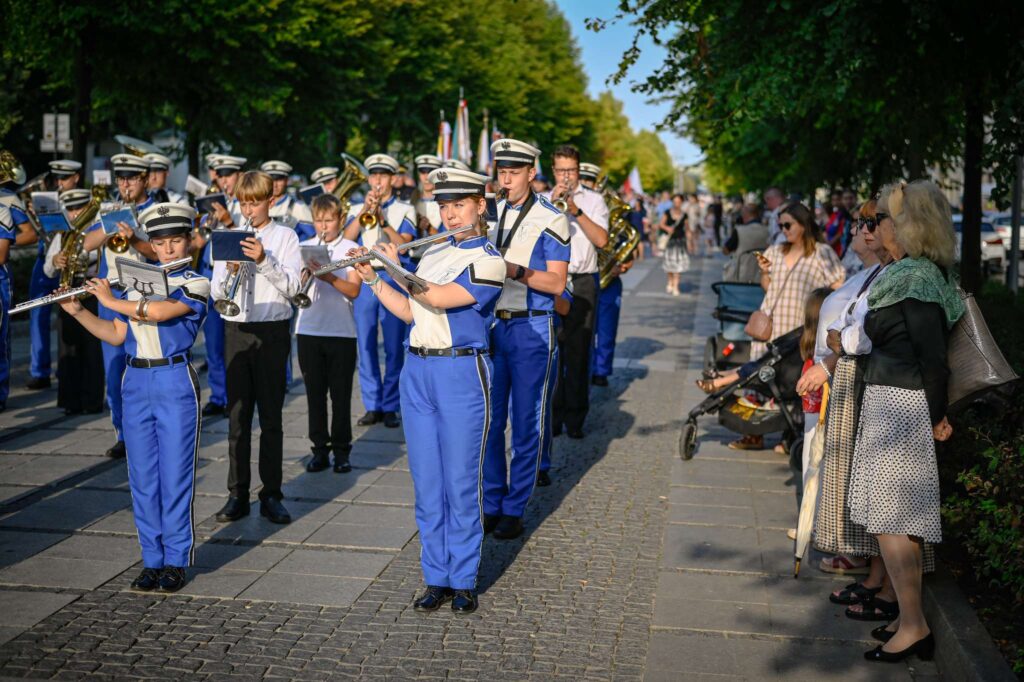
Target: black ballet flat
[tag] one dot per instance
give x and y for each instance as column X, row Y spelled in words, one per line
column 923, row 648
column 881, row 634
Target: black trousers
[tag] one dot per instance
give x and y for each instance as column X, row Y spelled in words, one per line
column 328, row 364
column 255, row 354
column 80, row 376
column 575, row 342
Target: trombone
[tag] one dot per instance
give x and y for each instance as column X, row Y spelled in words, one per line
column 227, row 306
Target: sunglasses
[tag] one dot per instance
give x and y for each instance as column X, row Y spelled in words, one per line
column 879, row 217
column 868, row 224
column 785, row 226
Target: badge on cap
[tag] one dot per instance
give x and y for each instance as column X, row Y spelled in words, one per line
column 442, row 176
column 163, row 210
column 506, row 145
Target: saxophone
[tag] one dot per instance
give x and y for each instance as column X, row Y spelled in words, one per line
column 623, row 238
column 72, row 240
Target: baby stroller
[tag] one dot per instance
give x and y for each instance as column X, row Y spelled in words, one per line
column 775, row 376
column 730, row 347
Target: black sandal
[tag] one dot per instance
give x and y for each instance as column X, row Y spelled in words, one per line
column 875, row 609
column 854, row 593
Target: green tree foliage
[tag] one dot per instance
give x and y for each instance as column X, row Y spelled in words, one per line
column 621, row 148
column 805, row 93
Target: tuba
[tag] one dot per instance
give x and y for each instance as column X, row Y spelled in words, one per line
column 71, row 244
column 623, row 238
column 10, row 168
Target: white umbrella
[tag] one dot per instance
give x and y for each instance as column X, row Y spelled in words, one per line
column 809, row 504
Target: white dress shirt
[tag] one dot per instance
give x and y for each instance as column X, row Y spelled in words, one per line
column 833, row 307
column 583, row 253
column 330, row 311
column 850, row 323
column 265, row 291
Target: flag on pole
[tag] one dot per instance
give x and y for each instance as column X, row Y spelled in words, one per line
column 536, row 164
column 632, row 183
column 461, row 144
column 483, row 150
column 444, row 139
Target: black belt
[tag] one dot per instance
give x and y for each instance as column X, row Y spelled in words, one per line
column 515, row 314
column 149, row 363
column 446, row 352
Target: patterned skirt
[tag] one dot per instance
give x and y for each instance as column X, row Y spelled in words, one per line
column 676, row 258
column 894, row 478
column 833, row 530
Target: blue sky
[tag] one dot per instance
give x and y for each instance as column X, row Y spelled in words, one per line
column 600, row 53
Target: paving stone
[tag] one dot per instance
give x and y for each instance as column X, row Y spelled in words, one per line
column 82, row 574
column 68, row 510
column 25, row 609
column 306, row 589
column 361, row 536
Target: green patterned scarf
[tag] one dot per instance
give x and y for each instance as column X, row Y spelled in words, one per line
column 920, row 279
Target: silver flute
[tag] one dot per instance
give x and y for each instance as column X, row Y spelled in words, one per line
column 432, row 239
column 78, row 291
column 227, row 307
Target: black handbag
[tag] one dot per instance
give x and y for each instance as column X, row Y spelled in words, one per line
column 976, row 365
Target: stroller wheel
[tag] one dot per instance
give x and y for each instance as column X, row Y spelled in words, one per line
column 688, row 440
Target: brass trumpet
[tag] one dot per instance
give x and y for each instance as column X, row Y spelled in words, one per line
column 562, row 202
column 227, row 307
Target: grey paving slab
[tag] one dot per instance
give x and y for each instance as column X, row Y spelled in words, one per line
column 327, row 485
column 307, row 517
column 718, row 515
column 225, row 583
column 81, row 574
column 376, row 515
column 340, row 564
column 708, row 586
column 239, row 557
column 388, row 494
column 97, row 548
column 306, row 589
column 11, row 493
column 24, row 609
column 16, row 545
column 68, row 510
column 361, row 536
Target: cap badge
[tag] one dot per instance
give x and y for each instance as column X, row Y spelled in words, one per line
column 442, row 176
column 163, row 210
column 506, row 145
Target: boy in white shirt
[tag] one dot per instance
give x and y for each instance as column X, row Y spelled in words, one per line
column 326, row 333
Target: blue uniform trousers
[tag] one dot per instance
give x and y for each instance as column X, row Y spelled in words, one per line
column 216, row 371
column 39, row 321
column 5, row 336
column 379, row 395
column 525, row 357
column 162, row 407
column 113, row 365
column 445, row 414
column 609, row 303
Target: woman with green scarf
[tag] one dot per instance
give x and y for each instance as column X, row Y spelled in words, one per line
column 894, row 482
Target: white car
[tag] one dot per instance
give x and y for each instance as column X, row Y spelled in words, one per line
column 1005, row 232
column 992, row 250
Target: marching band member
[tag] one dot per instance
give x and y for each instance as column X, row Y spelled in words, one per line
column 80, row 357
column 326, row 334
column 161, row 396
column 8, row 236
column 445, row 387
column 284, row 205
column 395, row 224
column 65, row 174
column 130, row 173
column 588, row 231
column 533, row 237
column 327, row 176
column 226, row 171
column 589, row 173
column 257, row 342
column 428, row 214
column 458, row 165
column 159, row 168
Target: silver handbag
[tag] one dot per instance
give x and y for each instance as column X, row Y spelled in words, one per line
column 976, row 364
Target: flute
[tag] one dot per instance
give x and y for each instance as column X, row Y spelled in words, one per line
column 345, row 262
column 78, row 291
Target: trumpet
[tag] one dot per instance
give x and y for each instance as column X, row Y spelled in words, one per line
column 501, row 194
column 78, row 291
column 562, row 202
column 301, row 298
column 227, row 307
column 425, row 241
column 368, row 221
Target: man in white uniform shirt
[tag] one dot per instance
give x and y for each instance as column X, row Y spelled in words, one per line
column 588, row 232
column 285, row 208
column 156, row 182
column 257, row 341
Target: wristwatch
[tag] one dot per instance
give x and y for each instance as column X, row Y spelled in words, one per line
column 520, row 271
column 579, row 212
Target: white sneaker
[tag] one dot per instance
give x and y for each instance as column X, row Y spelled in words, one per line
column 791, row 533
column 675, row 292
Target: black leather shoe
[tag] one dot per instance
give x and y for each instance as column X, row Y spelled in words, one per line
column 543, row 479
column 370, row 418
column 491, row 522
column 575, row 434
column 148, row 580
column 318, row 463
column 924, row 648
column 433, row 599
column 464, row 601
column 274, row 511
column 509, row 528
column 37, row 383
column 391, row 420
column 117, row 451
column 599, row 380
column 342, row 465
column 213, row 410
column 172, row 579
column 881, row 634
column 235, row 509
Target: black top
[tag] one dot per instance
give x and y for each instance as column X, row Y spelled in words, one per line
column 908, row 350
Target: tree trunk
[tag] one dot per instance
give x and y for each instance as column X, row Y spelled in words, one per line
column 970, row 244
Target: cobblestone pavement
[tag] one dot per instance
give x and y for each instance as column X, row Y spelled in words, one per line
column 632, row 565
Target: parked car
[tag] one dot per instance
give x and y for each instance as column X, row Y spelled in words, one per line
column 993, row 252
column 1004, row 229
